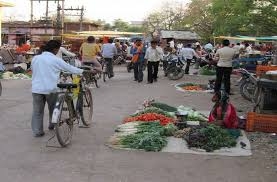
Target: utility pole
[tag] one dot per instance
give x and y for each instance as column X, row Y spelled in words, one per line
column 81, row 15
column 46, row 18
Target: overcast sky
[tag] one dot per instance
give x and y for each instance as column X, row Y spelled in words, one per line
column 108, row 10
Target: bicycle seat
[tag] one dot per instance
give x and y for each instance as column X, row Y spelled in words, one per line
column 66, row 85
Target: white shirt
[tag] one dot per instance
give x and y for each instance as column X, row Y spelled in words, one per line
column 46, row 70
column 154, row 55
column 237, row 49
column 62, row 51
column 171, row 44
column 188, row 53
column 109, row 50
column 225, row 55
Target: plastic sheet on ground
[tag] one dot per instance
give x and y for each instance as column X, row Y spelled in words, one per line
column 179, row 145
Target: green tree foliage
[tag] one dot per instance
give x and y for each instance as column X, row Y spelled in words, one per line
column 244, row 17
column 120, row 25
column 211, row 18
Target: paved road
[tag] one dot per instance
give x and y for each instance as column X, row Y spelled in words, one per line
column 24, row 158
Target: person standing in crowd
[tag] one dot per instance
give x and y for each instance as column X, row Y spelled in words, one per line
column 153, row 56
column 138, row 52
column 46, row 69
column 188, row 53
column 109, row 51
column 224, row 56
column 89, row 51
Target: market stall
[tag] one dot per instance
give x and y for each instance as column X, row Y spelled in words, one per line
column 159, row 127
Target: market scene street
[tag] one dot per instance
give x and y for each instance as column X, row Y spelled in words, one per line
column 88, row 158
column 148, row 91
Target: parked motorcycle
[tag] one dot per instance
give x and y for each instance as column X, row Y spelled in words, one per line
column 247, row 84
column 174, row 67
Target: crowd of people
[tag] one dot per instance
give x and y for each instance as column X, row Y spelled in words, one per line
column 50, row 63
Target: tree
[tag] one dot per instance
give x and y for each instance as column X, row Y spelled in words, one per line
column 120, row 25
column 200, row 19
column 169, row 17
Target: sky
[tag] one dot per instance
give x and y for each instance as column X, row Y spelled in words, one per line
column 107, row 10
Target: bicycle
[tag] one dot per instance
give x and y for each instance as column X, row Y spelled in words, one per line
column 66, row 112
column 105, row 72
column 93, row 78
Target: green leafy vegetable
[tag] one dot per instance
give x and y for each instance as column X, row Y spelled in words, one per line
column 210, row 138
column 164, row 106
column 147, row 141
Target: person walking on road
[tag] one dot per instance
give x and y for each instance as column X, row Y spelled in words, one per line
column 138, row 53
column 188, row 53
column 89, row 51
column 224, row 56
column 109, row 51
column 153, row 56
column 46, row 69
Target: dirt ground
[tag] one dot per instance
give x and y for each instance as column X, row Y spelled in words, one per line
column 24, row 158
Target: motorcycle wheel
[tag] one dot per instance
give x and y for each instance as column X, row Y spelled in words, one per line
column 247, row 90
column 175, row 73
column 129, row 67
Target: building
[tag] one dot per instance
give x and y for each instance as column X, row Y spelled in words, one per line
column 3, row 4
column 41, row 30
column 72, row 27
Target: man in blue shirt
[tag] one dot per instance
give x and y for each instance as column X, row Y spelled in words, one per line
column 108, row 52
column 46, row 69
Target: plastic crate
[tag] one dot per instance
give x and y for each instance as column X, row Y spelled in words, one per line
column 261, row 69
column 261, row 122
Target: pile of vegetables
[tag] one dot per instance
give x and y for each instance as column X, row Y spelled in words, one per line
column 155, row 110
column 150, row 117
column 149, row 136
column 207, row 70
column 192, row 88
column 192, row 114
column 163, row 106
column 210, row 138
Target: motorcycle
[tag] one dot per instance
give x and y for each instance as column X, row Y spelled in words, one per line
column 247, row 84
column 174, row 67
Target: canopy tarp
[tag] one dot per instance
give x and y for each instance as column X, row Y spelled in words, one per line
column 270, row 38
column 248, row 38
column 5, row 4
column 103, row 33
column 85, row 34
column 237, row 38
column 179, row 35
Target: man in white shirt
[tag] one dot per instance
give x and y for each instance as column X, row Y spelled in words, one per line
column 188, row 53
column 224, row 56
column 46, row 69
column 153, row 56
column 109, row 51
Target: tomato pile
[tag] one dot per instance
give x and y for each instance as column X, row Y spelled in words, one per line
column 150, row 117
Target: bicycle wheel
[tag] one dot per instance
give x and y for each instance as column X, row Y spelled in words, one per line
column 96, row 83
column 104, row 72
column 63, row 121
column 85, row 106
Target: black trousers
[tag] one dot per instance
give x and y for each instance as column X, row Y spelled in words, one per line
column 138, row 70
column 152, row 68
column 187, row 66
column 223, row 74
